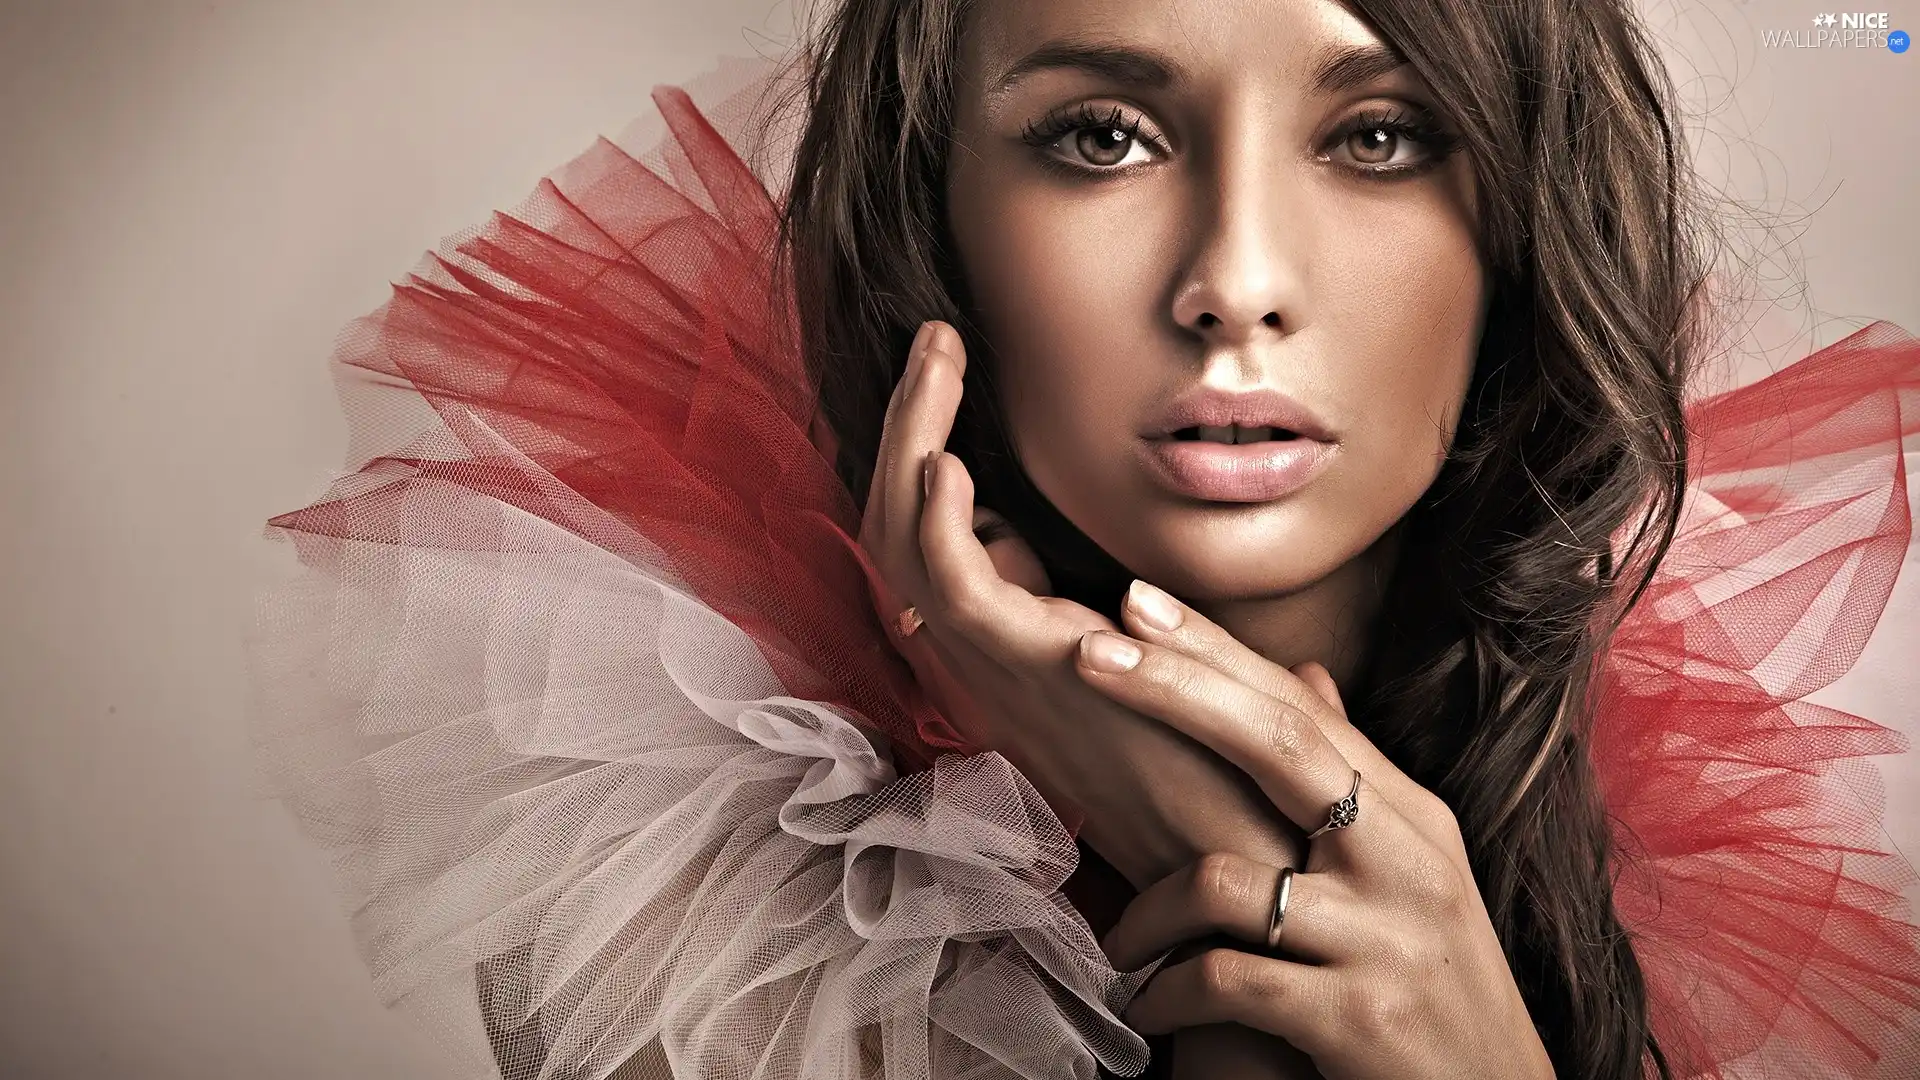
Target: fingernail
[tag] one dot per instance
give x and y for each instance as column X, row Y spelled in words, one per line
column 911, row 377
column 916, row 364
column 1107, row 652
column 926, row 472
column 1154, row 607
column 948, row 342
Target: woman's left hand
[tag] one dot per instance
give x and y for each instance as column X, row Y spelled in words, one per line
column 1387, row 965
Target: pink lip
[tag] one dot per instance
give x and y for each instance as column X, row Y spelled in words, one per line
column 1263, row 407
column 1246, row 473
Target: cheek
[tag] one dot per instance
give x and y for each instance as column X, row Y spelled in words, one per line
column 1067, row 297
column 1400, row 309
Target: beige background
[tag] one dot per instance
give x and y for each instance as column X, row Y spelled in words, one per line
column 196, row 196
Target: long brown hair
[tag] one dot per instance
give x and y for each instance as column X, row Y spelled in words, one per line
column 1563, row 486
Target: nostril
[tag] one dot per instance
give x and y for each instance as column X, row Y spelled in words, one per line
column 1208, row 320
column 1272, row 319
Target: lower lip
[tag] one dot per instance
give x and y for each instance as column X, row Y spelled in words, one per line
column 1243, row 472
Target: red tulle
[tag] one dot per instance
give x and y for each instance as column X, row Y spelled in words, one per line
column 1763, row 904
column 627, row 336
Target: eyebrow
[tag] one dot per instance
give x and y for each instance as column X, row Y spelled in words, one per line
column 1118, row 63
column 1341, row 69
column 1356, row 65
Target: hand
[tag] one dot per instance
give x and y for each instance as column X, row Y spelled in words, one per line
column 998, row 659
column 1389, row 964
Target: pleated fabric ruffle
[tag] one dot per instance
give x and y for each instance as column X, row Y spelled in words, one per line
column 585, row 693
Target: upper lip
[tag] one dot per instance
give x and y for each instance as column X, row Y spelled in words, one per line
column 1208, row 406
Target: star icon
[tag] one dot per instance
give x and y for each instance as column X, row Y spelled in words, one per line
column 1819, row 20
column 1830, row 20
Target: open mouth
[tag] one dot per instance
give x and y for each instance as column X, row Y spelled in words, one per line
column 1233, row 434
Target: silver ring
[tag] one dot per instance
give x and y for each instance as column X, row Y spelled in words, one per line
column 1343, row 813
column 1281, row 895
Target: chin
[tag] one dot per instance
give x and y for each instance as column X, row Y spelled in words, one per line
column 1231, row 551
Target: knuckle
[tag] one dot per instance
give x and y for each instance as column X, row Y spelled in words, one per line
column 1168, row 670
column 1378, row 1013
column 1170, row 678
column 1219, row 883
column 1402, row 953
column 1283, row 734
column 1220, row 973
column 1438, row 815
column 1437, row 884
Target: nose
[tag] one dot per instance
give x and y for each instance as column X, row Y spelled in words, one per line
column 1244, row 277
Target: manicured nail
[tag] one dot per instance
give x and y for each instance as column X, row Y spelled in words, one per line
column 948, row 342
column 926, row 472
column 1108, row 652
column 1154, row 607
column 917, row 355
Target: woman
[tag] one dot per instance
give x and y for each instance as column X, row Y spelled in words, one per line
column 1361, row 331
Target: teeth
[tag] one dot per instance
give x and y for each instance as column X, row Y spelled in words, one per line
column 1233, row 433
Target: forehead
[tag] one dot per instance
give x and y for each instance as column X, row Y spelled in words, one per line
column 1252, row 44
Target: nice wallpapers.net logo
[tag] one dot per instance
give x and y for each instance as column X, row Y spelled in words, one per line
column 1841, row 30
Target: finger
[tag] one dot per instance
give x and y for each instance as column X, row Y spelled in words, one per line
column 930, row 401
column 1318, row 679
column 965, row 593
column 1153, row 614
column 1228, row 893
column 874, row 513
column 1225, row 986
column 1277, row 744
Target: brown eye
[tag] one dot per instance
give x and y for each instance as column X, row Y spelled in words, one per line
column 1096, row 139
column 1103, row 145
column 1373, row 145
column 1394, row 141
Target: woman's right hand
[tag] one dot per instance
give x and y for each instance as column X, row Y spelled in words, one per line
column 998, row 659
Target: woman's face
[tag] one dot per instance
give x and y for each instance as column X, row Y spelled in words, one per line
column 1166, row 207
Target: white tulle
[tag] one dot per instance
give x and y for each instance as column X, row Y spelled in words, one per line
column 582, row 826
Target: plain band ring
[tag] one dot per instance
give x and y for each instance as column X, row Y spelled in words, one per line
column 1281, row 895
column 907, row 621
column 1343, row 813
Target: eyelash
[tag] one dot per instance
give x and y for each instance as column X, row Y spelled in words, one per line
column 1419, row 125
column 1058, row 124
